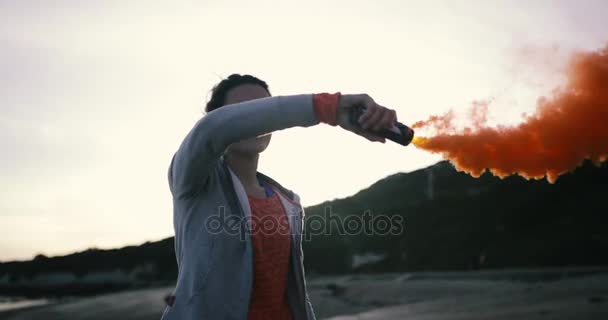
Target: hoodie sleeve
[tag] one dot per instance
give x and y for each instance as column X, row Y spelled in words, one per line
column 213, row 133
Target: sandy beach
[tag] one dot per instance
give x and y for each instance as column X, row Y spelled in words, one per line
column 494, row 295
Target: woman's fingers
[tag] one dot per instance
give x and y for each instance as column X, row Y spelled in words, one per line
column 387, row 121
column 373, row 119
column 366, row 118
column 378, row 117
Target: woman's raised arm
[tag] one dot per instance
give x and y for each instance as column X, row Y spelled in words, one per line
column 214, row 132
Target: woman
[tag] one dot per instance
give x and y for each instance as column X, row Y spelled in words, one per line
column 237, row 231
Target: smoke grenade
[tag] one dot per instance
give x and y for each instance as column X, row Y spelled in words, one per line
column 400, row 133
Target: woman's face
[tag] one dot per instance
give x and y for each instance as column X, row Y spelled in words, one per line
column 242, row 93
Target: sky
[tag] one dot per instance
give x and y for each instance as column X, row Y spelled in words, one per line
column 96, row 96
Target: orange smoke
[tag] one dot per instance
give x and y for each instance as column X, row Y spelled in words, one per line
column 566, row 128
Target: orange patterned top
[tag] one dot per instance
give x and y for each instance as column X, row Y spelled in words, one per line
column 271, row 251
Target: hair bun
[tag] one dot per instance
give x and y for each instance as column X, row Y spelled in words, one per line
column 219, row 91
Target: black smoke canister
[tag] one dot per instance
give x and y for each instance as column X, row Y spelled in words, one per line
column 400, row 133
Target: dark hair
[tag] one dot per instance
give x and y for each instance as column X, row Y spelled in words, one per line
column 219, row 91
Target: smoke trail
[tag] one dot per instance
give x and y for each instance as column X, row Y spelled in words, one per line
column 568, row 127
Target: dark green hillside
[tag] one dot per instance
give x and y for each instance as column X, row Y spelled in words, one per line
column 451, row 221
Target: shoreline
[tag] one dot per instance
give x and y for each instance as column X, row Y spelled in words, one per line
column 428, row 295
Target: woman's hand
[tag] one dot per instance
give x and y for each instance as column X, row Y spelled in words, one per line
column 375, row 117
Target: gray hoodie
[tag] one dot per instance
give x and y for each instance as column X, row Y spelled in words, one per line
column 210, row 213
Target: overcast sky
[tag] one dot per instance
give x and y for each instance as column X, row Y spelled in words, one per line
column 95, row 96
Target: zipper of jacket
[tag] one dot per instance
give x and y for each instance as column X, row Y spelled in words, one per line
column 299, row 268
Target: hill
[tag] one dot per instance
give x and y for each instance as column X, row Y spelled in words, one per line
column 454, row 221
column 451, row 221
